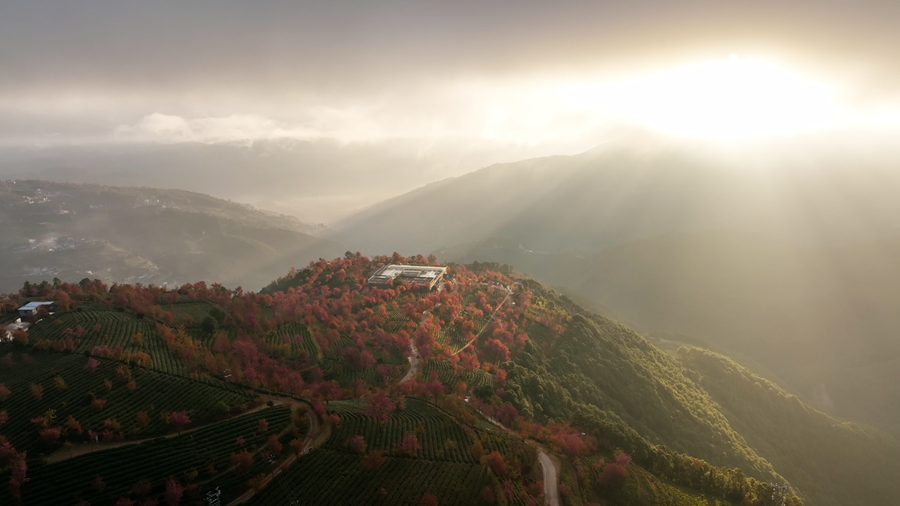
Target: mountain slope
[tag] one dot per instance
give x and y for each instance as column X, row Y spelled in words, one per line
column 144, row 235
column 822, row 318
column 783, row 253
column 806, row 445
column 612, row 195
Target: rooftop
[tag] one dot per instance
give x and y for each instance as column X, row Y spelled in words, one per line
column 419, row 274
column 31, row 306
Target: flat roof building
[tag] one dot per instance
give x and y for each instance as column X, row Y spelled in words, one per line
column 32, row 307
column 422, row 275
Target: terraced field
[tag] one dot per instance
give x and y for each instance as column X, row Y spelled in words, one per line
column 327, row 477
column 449, row 377
column 192, row 458
column 108, row 328
column 297, row 336
column 68, row 388
column 440, row 437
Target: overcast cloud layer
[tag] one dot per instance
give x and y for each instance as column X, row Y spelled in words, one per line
column 488, row 81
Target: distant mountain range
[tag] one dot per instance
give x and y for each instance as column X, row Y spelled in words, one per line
column 610, row 196
column 143, row 235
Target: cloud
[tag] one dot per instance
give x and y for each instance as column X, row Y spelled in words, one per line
column 168, row 128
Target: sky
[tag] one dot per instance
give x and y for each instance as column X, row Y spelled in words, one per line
column 416, row 91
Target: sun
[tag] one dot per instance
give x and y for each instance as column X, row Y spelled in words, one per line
column 732, row 98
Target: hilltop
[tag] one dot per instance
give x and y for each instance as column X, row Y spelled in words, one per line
column 504, row 369
column 144, row 235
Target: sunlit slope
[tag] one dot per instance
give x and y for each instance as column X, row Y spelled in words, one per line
column 597, row 369
column 823, row 319
column 145, row 235
column 591, row 200
column 834, row 462
column 610, row 196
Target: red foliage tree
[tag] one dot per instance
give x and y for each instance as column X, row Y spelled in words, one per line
column 174, row 492
column 92, row 364
column 274, row 445
column 507, row 414
column 72, row 426
column 4, row 392
column 429, row 500
column 50, row 436
column 612, row 474
column 379, row 406
column 357, row 443
column 497, row 463
column 410, row 444
column 179, row 419
column 495, row 351
column 242, row 462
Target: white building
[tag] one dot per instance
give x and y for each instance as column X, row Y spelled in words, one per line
column 422, row 275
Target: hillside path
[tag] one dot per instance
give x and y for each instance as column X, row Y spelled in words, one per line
column 84, row 448
column 413, row 363
column 551, row 491
column 551, row 480
column 312, row 432
column 311, row 439
column 487, row 323
column 413, row 356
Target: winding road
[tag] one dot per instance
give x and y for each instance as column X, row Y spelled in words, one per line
column 551, row 491
column 551, row 481
column 413, row 363
column 308, row 446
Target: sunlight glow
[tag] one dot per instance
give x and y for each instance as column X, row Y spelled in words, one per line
column 723, row 99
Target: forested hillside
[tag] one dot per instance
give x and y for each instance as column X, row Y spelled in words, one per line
column 804, row 444
column 466, row 394
column 821, row 318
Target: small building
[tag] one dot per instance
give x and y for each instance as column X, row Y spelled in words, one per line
column 7, row 333
column 32, row 307
column 422, row 275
